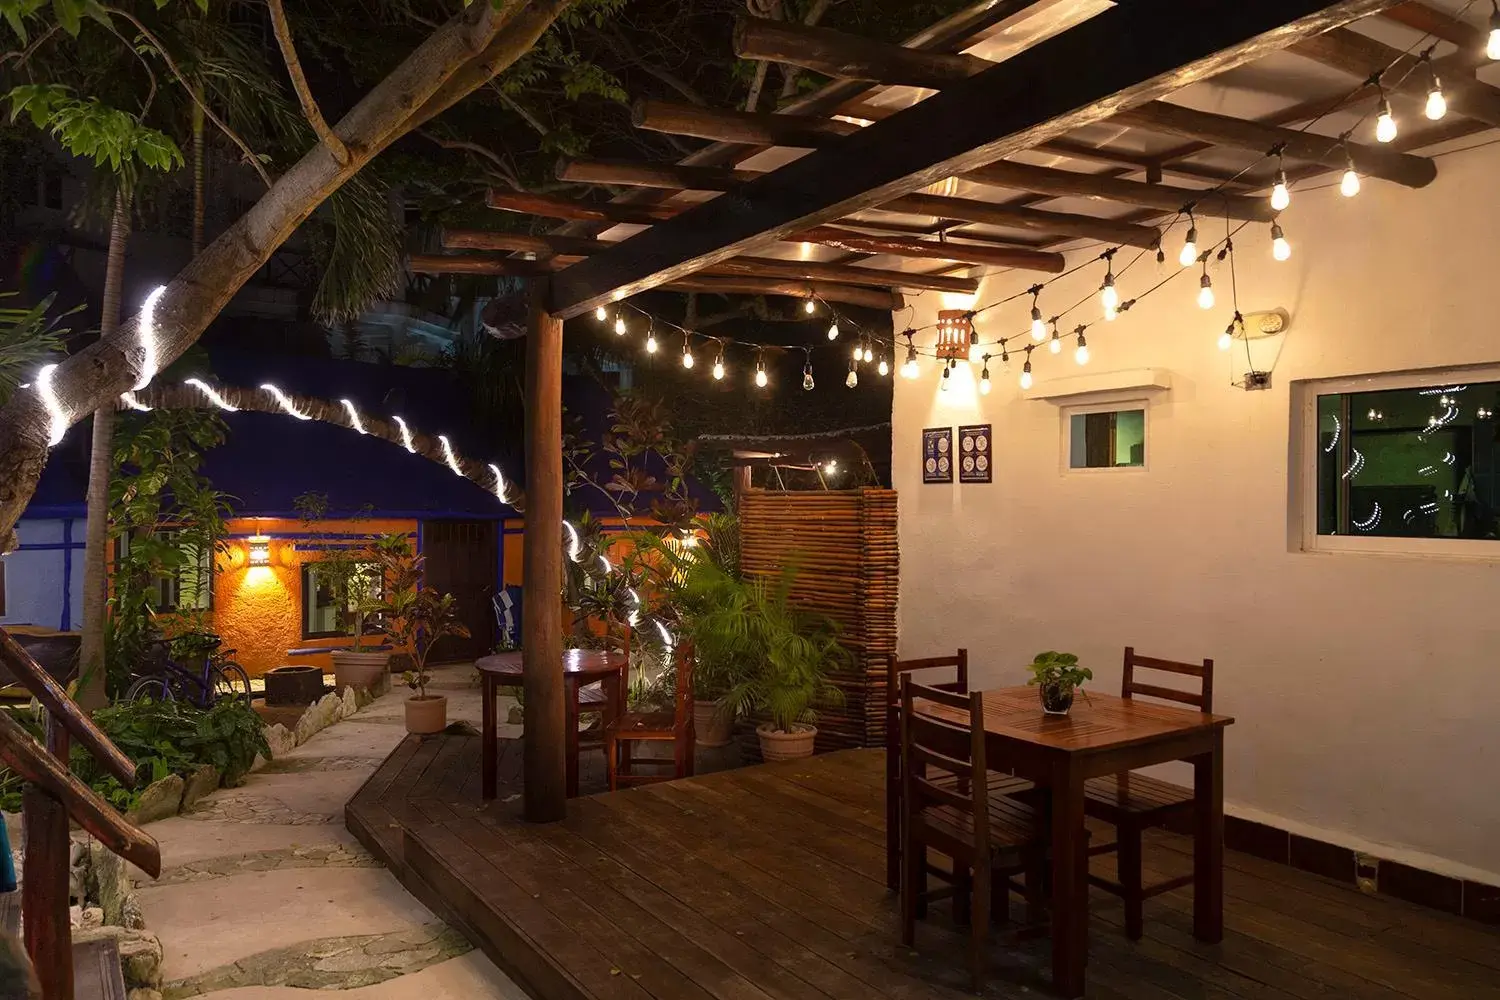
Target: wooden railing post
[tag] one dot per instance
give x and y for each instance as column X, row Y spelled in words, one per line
column 44, row 885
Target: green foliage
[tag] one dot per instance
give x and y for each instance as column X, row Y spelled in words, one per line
column 88, row 127
column 356, row 590
column 27, row 337
column 415, row 616
column 1060, row 670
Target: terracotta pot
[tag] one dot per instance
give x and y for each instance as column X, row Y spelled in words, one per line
column 712, row 726
column 361, row 671
column 777, row 744
column 428, row 715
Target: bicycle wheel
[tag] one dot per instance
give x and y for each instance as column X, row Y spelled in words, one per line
column 230, row 682
column 150, row 689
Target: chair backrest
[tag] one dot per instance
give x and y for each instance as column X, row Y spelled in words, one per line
column 895, row 670
column 682, row 705
column 931, row 741
column 1202, row 699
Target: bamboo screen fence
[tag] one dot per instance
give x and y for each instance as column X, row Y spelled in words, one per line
column 844, row 542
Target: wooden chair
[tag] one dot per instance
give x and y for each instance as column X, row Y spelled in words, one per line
column 947, row 806
column 1133, row 802
column 594, row 698
column 675, row 727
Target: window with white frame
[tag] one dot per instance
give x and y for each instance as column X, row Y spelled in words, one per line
column 1403, row 463
column 1111, row 436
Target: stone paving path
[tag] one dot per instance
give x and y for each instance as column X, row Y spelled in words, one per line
column 265, row 896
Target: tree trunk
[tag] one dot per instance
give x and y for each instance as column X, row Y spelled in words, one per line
column 91, row 687
column 200, row 207
column 456, row 59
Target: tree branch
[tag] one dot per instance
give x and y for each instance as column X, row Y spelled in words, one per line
column 310, row 109
column 506, row 172
column 193, row 93
column 625, row 47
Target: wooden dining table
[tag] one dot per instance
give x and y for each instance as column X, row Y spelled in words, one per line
column 1103, row 735
column 580, row 667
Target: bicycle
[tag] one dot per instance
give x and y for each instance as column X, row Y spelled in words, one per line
column 167, row 680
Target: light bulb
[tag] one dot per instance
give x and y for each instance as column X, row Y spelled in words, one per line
column 833, row 331
column 619, row 326
column 1082, row 354
column 1026, row 376
column 1189, row 249
column 1206, row 293
column 859, row 352
column 976, row 353
column 1055, row 345
column 1280, row 248
column 1385, row 125
column 807, row 378
column 909, row 368
column 651, row 343
column 947, row 377
column 808, row 306
column 1280, row 196
column 1109, row 297
column 883, row 368
column 718, row 369
column 1349, row 186
column 1111, row 314
column 687, row 358
column 1437, row 104
column 984, row 382
column 852, row 379
column 761, row 378
column 1492, row 50
column 1038, row 328
column 1226, row 339
column 600, row 314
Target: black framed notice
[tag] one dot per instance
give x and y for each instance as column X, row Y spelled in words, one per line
column 937, row 455
column 974, row 459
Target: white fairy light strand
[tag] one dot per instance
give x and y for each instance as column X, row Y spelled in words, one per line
column 128, row 398
column 499, row 483
column 575, row 544
column 406, row 441
column 354, row 420
column 213, row 396
column 285, row 402
column 449, row 456
column 57, row 416
column 146, row 324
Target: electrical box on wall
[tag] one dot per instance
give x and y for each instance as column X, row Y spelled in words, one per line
column 1257, row 380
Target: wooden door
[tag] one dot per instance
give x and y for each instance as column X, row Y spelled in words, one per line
column 463, row 559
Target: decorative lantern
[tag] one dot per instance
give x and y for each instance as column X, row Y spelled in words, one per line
column 260, row 550
column 954, row 329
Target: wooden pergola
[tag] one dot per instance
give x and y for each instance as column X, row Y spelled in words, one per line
column 1086, row 110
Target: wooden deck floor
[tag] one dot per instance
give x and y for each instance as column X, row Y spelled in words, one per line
column 768, row 882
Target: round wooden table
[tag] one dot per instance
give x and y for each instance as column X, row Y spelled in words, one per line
column 580, row 667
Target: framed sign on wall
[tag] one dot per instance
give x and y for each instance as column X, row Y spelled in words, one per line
column 974, row 458
column 937, row 455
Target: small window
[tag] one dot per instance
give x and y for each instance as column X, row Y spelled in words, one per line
column 1408, row 461
column 1107, row 439
column 188, row 586
column 322, row 617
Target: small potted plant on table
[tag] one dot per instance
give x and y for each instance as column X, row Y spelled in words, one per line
column 1057, row 676
column 415, row 618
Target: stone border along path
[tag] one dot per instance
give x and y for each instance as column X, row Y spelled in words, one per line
column 265, row 896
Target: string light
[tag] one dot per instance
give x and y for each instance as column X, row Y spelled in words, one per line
column 601, row 314
column 883, row 368
column 1437, row 104
column 760, row 372
column 1280, row 248
column 57, row 416
column 285, row 402
column 869, row 354
column 1281, row 196
column 1026, row 370
column 1038, row 328
column 1109, row 296
column 1189, row 252
column 719, row 365
column 975, row 351
column 1206, row 290
column 147, row 326
column 128, row 398
column 984, row 377
column 213, row 397
column 575, row 544
column 406, row 441
column 1349, row 186
column 833, row 330
column 354, row 420
column 449, row 456
column 1226, row 339
column 1081, row 355
column 947, row 377
column 859, row 352
column 852, row 379
column 1492, row 49
column 604, row 564
column 1385, row 125
column 651, row 344
column 500, row 487
column 807, row 376
column 808, row 307
column 687, row 353
column 1055, row 344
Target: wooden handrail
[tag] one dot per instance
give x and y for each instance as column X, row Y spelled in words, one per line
column 65, row 710
column 20, row 751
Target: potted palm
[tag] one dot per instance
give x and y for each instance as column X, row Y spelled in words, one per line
column 1057, row 676
column 415, row 618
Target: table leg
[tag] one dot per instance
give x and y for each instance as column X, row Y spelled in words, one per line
column 570, row 735
column 1070, row 894
column 1208, row 843
column 490, row 737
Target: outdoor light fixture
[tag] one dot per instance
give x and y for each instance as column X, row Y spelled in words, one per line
column 260, row 550
column 1349, row 186
column 1189, row 248
column 1082, row 354
column 1385, row 125
column 955, row 328
column 1038, row 326
column 833, row 330
column 619, row 326
column 601, row 314
column 883, row 368
column 1206, row 290
column 1281, row 196
column 1280, row 248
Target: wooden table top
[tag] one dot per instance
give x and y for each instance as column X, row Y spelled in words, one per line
column 581, row 663
column 1098, row 722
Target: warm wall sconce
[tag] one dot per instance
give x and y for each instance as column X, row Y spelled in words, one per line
column 260, row 550
column 955, row 330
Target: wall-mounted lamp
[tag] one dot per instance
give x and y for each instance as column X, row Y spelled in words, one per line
column 260, row 550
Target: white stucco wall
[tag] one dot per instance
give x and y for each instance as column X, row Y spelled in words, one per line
column 1365, row 687
column 34, row 577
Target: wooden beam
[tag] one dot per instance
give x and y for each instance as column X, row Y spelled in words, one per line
column 509, row 267
column 1174, row 119
column 756, row 128
column 871, row 298
column 850, row 57
column 478, row 239
column 1135, row 52
column 849, row 274
column 545, row 790
column 965, row 253
column 668, row 176
column 1359, row 56
column 1162, row 197
column 553, row 207
column 1438, row 24
column 1029, row 219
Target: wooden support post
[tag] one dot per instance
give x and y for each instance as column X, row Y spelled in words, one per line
column 541, row 614
column 44, row 885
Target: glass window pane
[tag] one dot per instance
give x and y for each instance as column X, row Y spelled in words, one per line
column 1410, row 463
column 1113, row 439
column 321, row 614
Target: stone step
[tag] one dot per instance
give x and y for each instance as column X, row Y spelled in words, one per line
column 96, row 971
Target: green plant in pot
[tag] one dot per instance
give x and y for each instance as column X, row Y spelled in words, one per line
column 416, row 618
column 354, row 584
column 1057, row 676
